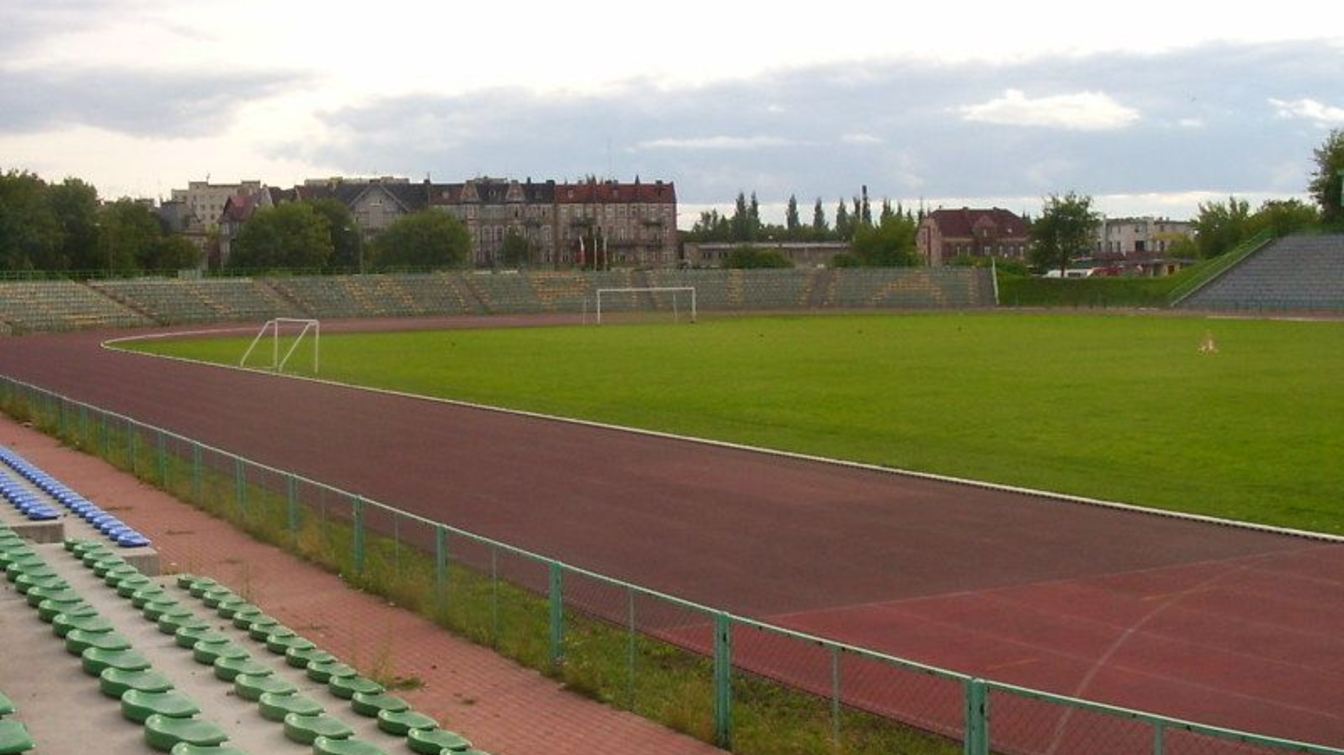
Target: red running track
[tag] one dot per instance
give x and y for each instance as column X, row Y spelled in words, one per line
column 1222, row 625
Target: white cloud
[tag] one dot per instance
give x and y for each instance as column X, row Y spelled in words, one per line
column 718, row 142
column 861, row 138
column 1084, row 111
column 1309, row 110
column 1191, row 123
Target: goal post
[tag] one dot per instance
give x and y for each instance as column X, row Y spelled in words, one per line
column 680, row 295
column 273, row 327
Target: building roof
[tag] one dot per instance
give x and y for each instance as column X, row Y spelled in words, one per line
column 961, row 223
column 593, row 192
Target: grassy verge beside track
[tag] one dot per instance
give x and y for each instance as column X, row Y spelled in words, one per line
column 1120, row 408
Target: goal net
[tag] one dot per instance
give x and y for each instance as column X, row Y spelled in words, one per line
column 658, row 303
column 286, row 334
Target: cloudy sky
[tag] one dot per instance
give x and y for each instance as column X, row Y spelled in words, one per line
column 1150, row 107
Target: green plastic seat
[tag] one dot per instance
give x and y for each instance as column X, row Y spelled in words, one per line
column 372, row 705
column 126, row 588
column 25, row 583
column 14, row 738
column 401, row 722
column 208, row 652
column 80, row 547
column 147, row 593
column 94, row 556
column 138, row 706
column 215, row 595
column 164, row 733
column 117, row 574
column 171, row 621
column 276, row 707
column 198, row 587
column 227, row 669
column 243, row 616
column 323, row 671
column 300, row 657
column 436, row 741
column 38, row 594
column 155, row 607
column 105, row 566
column 261, row 627
column 14, row 571
column 253, row 686
column 114, row 682
column 306, row 729
column 188, row 636
column 229, row 606
column 95, row 660
column 345, row 687
column 329, row 746
column 7, row 707
column 77, row 641
column 185, row 580
column 62, row 623
column 49, row 609
column 283, row 644
column 186, row 748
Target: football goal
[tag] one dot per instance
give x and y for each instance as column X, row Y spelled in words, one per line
column 292, row 331
column 677, row 300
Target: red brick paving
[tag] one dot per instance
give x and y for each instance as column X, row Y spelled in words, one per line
column 501, row 706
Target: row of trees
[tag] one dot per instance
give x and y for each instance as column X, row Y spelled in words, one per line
column 886, row 240
column 64, row 227
column 322, row 234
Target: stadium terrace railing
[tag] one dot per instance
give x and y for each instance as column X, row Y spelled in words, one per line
column 1221, row 265
column 734, row 681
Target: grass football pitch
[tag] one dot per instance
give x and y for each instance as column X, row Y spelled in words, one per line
column 1124, row 408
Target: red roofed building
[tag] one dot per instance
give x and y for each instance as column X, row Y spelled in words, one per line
column 945, row 235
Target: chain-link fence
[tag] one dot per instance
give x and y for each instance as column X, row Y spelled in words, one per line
column 745, row 685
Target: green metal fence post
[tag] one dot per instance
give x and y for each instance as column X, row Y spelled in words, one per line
column 440, row 560
column 240, row 485
column 1159, row 733
column 835, row 694
column 163, row 461
column 292, row 504
column 196, row 474
column 60, row 418
column 102, row 436
column 132, row 440
column 359, row 534
column 977, row 718
column 557, row 604
column 723, row 680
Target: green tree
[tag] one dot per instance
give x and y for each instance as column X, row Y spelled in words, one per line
column 347, row 242
column 516, row 251
column 791, row 222
column 1283, row 216
column 1064, row 231
column 171, row 252
column 740, row 222
column 30, row 232
column 428, row 238
column 844, row 230
column 293, row 235
column 710, row 227
column 749, row 257
column 1219, row 227
column 1327, row 181
column 753, row 219
column 819, row 225
column 891, row 243
column 127, row 234
column 75, row 204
